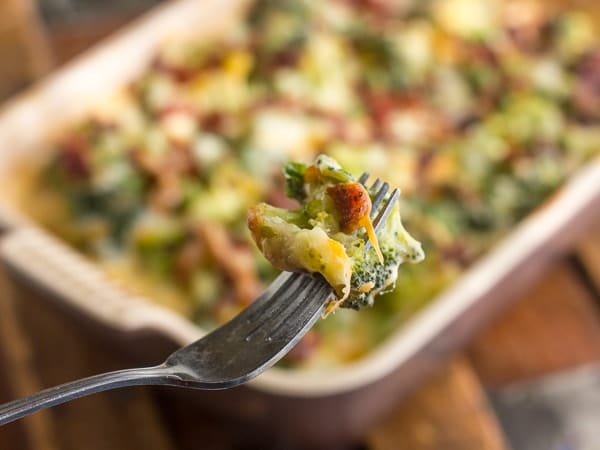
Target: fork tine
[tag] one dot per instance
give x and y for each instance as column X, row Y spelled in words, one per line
column 318, row 290
column 262, row 308
column 386, row 210
column 363, row 178
column 376, row 184
column 275, row 310
column 379, row 198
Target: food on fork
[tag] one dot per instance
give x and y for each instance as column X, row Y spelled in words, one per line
column 326, row 234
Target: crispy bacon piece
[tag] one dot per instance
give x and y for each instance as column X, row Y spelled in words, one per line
column 165, row 171
column 188, row 257
column 167, row 193
column 352, row 202
column 236, row 261
column 586, row 91
column 75, row 158
column 353, row 205
column 179, row 73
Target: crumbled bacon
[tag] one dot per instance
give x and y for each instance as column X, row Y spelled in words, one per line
column 236, row 261
column 352, row 203
column 527, row 24
column 167, row 193
column 75, row 157
column 586, row 92
column 189, row 257
column 177, row 161
column 179, row 73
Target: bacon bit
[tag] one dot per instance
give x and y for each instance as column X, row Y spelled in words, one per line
column 189, row 257
column 586, row 92
column 353, row 204
column 181, row 74
column 457, row 253
column 237, row 262
column 177, row 160
column 380, row 104
column 74, row 157
column 167, row 193
column 146, row 161
column 212, row 122
column 283, row 59
column 527, row 24
column 380, row 9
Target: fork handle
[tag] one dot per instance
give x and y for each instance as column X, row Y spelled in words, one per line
column 16, row 409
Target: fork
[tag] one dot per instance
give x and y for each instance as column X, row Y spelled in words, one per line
column 239, row 350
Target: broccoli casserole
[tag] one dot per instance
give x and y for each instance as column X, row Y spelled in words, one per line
column 477, row 109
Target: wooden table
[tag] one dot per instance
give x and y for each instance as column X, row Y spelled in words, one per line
column 554, row 326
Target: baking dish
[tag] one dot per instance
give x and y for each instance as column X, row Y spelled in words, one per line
column 373, row 382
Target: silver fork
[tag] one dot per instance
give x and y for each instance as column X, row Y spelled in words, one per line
column 241, row 349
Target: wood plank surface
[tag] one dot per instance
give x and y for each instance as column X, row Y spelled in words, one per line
column 588, row 252
column 59, row 352
column 555, row 326
column 23, row 46
column 20, row 378
column 450, row 412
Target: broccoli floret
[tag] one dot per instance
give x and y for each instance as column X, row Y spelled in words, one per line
column 294, row 176
column 370, row 276
column 332, row 234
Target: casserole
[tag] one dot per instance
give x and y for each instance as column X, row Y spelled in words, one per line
column 373, row 380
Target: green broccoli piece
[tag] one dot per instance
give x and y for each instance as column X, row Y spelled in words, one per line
column 294, row 176
column 327, row 234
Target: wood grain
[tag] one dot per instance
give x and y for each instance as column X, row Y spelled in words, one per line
column 588, row 252
column 22, row 44
column 60, row 352
column 450, row 412
column 555, row 326
column 21, row 377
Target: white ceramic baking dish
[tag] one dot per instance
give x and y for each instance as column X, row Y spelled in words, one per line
column 300, row 403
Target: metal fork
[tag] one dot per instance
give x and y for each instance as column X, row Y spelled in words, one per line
column 240, row 350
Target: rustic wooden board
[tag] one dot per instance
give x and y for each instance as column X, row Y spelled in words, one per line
column 555, row 326
column 53, row 351
column 23, row 47
column 450, row 412
column 588, row 252
column 20, row 378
